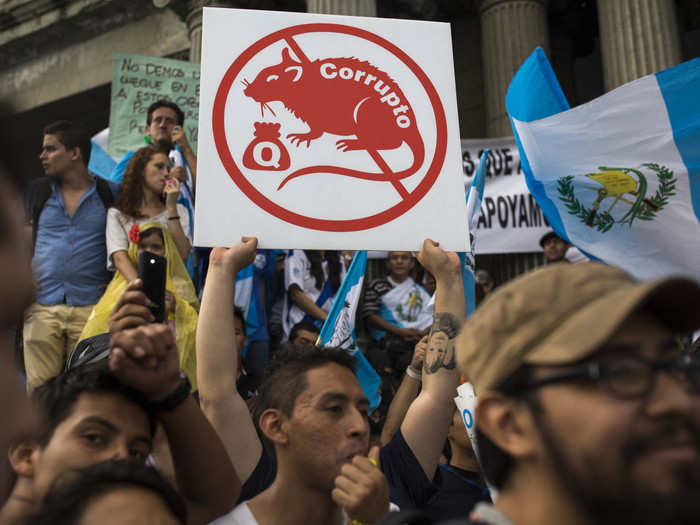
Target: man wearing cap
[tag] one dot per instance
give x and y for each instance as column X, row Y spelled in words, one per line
column 587, row 409
column 554, row 248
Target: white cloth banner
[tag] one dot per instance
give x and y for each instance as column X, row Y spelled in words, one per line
column 510, row 220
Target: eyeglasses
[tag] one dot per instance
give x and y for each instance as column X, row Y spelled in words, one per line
column 629, row 378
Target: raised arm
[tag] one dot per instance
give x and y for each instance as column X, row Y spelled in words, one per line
column 175, row 220
column 178, row 136
column 407, row 392
column 145, row 358
column 428, row 418
column 217, row 363
column 305, row 303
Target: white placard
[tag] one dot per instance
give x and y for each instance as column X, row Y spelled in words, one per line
column 305, row 147
column 510, row 220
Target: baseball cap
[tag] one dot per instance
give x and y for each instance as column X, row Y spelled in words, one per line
column 549, row 235
column 561, row 314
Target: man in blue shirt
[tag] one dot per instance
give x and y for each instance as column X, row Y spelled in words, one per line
column 69, row 251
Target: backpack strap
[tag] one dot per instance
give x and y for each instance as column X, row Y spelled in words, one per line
column 104, row 191
column 39, row 194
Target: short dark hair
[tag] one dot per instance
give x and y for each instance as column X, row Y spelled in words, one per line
column 238, row 314
column 152, row 231
column 285, row 376
column 303, row 325
column 162, row 103
column 71, row 135
column 57, row 397
column 496, row 464
column 73, row 491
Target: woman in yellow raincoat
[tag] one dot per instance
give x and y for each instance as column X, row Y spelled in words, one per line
column 181, row 301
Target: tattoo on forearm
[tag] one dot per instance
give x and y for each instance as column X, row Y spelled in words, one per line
column 441, row 348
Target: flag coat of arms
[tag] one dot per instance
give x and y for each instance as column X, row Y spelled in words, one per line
column 339, row 327
column 619, row 176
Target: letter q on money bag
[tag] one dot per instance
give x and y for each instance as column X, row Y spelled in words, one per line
column 266, row 152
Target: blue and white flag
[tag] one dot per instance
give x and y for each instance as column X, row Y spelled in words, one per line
column 101, row 162
column 246, row 299
column 339, row 327
column 474, row 196
column 619, row 176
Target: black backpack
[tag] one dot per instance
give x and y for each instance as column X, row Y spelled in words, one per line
column 40, row 191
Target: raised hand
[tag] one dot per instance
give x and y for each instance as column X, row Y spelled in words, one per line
column 419, row 355
column 146, row 359
column 131, row 309
column 171, row 192
column 178, row 173
column 178, row 136
column 237, row 257
column 437, row 261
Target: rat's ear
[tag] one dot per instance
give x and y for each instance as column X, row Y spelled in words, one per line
column 286, row 57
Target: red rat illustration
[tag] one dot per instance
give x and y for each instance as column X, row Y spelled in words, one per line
column 342, row 96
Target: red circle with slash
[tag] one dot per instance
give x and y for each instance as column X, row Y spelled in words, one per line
column 330, row 225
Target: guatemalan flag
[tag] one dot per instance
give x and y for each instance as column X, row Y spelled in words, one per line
column 619, row 176
column 339, row 327
column 474, row 196
column 101, row 162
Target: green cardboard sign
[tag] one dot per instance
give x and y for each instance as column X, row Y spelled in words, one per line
column 137, row 82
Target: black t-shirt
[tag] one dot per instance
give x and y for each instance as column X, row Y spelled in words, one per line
column 456, row 493
column 261, row 478
column 452, row 494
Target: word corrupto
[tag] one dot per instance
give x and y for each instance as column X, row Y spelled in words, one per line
column 347, row 97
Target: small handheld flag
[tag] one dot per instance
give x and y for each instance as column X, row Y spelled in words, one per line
column 339, row 327
column 474, row 196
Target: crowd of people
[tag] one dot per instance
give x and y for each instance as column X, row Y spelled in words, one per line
column 227, row 412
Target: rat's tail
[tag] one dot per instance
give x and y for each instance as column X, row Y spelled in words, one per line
column 418, row 157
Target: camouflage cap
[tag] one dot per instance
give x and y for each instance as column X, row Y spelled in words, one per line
column 562, row 313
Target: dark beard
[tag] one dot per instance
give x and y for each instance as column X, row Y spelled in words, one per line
column 605, row 501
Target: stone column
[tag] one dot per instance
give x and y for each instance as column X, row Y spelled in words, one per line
column 510, row 31
column 192, row 14
column 637, row 38
column 194, row 28
column 343, row 7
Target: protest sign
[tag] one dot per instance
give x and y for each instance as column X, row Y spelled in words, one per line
column 510, row 220
column 137, row 82
column 306, row 148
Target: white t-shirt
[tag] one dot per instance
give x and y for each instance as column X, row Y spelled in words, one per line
column 297, row 270
column 241, row 515
column 118, row 226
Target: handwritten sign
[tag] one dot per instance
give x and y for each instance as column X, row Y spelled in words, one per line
column 306, row 147
column 137, row 82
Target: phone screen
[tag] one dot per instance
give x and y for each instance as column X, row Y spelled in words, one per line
column 152, row 271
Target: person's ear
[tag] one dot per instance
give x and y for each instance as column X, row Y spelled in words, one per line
column 507, row 423
column 274, row 425
column 75, row 153
column 22, row 457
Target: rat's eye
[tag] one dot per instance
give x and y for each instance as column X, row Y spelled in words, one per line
column 271, row 78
